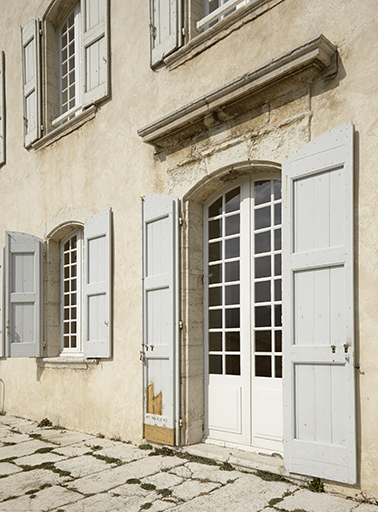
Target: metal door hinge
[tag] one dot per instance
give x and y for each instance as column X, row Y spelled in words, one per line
column 142, row 357
column 181, row 221
column 181, row 325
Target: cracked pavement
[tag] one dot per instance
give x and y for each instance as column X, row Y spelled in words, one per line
column 58, row 470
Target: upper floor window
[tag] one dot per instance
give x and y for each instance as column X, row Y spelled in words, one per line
column 65, row 64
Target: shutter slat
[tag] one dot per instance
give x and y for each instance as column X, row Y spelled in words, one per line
column 160, row 317
column 97, row 286
column 23, row 295
column 31, row 81
column 165, row 28
column 319, row 400
column 2, row 108
column 95, row 50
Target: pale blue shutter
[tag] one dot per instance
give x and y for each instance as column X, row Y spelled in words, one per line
column 2, row 352
column 95, row 51
column 97, row 286
column 165, row 28
column 2, row 109
column 318, row 319
column 31, row 76
column 160, row 318
column 23, row 295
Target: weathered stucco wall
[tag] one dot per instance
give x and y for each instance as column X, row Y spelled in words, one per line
column 105, row 164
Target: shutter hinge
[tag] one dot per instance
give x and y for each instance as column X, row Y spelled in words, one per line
column 181, row 325
column 183, row 31
column 142, row 357
column 181, row 423
column 181, row 221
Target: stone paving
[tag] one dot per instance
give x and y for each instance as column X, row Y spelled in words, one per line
column 53, row 469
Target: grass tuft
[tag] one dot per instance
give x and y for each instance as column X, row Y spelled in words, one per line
column 145, row 447
column 133, row 481
column 45, row 423
column 316, row 485
column 270, row 477
column 148, row 487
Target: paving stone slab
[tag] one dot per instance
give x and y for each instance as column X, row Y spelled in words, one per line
column 83, row 466
column 125, row 452
column 20, row 483
column 193, row 488
column 109, row 479
column 163, row 480
column 38, row 458
column 22, row 449
column 317, row 502
column 130, row 490
column 183, row 471
column 106, row 503
column 73, row 450
column 45, row 500
column 12, row 437
column 64, row 438
column 366, row 507
column 213, row 473
column 6, row 468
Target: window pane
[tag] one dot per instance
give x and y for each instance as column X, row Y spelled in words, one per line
column 232, row 248
column 73, row 299
column 73, row 341
column 215, row 364
column 278, row 364
column 215, row 296
column 232, row 225
column 263, row 316
column 277, row 189
column 277, row 213
column 73, row 313
column 66, row 342
column 277, row 239
column 262, row 192
column 215, row 274
column 262, row 218
column 233, row 200
column 262, row 242
column 263, row 341
column 215, row 319
column 232, row 341
column 262, row 267
column 66, row 327
column 215, row 341
column 232, row 271
column 232, row 365
column 263, row 366
column 278, row 341
column 262, row 291
column 216, row 208
column 232, row 294
column 277, row 265
column 215, row 228
column 215, row 251
column 232, row 318
column 277, row 316
column 66, row 314
column 277, row 290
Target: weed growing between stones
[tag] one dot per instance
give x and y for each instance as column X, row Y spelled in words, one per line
column 100, row 436
column 45, row 423
column 145, row 447
column 146, row 506
column 196, row 458
column 117, row 439
column 316, row 485
column 164, row 492
column 274, row 501
column 133, row 481
column 8, row 459
column 44, row 450
column 148, row 487
column 3, row 476
column 32, row 491
column 95, row 447
column 270, row 477
column 109, row 460
column 8, row 443
column 226, row 466
column 46, row 465
column 163, row 451
column 10, row 498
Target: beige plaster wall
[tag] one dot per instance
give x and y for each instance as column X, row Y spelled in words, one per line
column 105, row 164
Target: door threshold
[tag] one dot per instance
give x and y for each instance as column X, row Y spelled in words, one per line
column 244, row 460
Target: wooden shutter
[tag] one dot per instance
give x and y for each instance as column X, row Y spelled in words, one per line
column 165, row 28
column 160, row 318
column 97, row 286
column 2, row 109
column 31, row 74
column 319, row 394
column 2, row 352
column 23, row 295
column 95, row 51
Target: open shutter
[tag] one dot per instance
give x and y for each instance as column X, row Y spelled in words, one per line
column 23, row 295
column 97, row 286
column 2, row 352
column 319, row 395
column 95, row 65
column 2, row 109
column 160, row 318
column 165, row 28
column 31, row 74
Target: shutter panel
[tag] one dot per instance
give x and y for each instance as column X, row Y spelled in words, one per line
column 165, row 28
column 23, row 295
column 97, row 286
column 31, row 74
column 2, row 352
column 2, row 109
column 95, row 51
column 160, row 318
column 319, row 395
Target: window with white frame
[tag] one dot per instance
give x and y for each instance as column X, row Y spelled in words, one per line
column 71, row 291
column 65, row 65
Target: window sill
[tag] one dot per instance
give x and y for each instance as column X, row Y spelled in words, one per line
column 67, row 362
column 66, row 128
column 219, row 31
